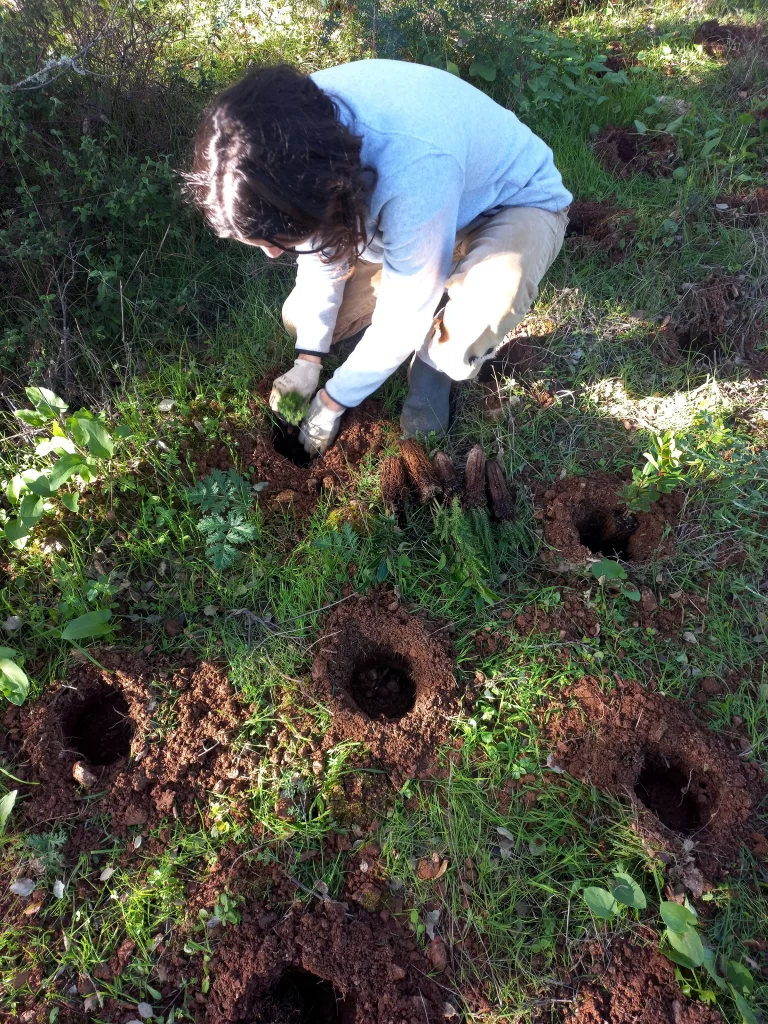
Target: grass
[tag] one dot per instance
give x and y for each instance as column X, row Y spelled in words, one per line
column 509, row 903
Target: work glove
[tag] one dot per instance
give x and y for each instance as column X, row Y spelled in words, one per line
column 319, row 428
column 303, row 377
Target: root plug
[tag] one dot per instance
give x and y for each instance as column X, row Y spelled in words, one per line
column 420, row 471
column 500, row 495
column 474, row 479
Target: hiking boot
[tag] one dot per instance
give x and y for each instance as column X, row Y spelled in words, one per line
column 426, row 410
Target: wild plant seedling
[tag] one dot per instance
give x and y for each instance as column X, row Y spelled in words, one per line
column 662, row 473
column 224, row 499
column 292, row 407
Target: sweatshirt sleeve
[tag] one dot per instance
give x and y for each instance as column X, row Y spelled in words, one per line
column 320, row 289
column 418, row 229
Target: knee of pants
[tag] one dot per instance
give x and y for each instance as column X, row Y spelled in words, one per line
column 289, row 322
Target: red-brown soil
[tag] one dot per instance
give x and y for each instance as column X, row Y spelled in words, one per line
column 101, row 725
column 602, row 226
column 403, row 714
column 625, row 152
column 743, row 210
column 713, row 318
column 585, row 520
column 365, row 431
column 698, row 797
column 322, row 964
column 635, row 984
column 728, row 40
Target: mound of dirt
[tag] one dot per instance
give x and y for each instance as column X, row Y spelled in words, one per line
column 721, row 40
column 606, row 227
column 585, row 520
column 320, row 965
column 743, row 210
column 625, row 152
column 388, row 678
column 94, row 744
column 274, row 454
column 635, row 984
column 698, row 795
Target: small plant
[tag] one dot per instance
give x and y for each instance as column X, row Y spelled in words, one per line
column 292, row 407
column 80, row 442
column 225, row 500
column 47, row 851
column 607, row 569
column 225, row 912
column 14, row 682
column 661, row 474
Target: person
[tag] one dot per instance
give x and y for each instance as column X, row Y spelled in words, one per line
column 424, row 215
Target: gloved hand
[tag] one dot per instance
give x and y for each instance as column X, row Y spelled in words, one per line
column 303, row 378
column 319, row 427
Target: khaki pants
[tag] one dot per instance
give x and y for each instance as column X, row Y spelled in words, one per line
column 498, row 263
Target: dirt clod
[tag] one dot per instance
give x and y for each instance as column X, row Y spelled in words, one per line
column 625, row 152
column 608, row 228
column 651, row 748
column 721, row 40
column 320, row 965
column 388, row 677
column 585, row 519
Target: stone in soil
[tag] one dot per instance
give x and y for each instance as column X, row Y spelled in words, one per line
column 585, row 520
column 103, row 720
column 606, row 227
column 625, row 152
column 634, row 984
column 321, row 964
column 403, row 728
column 701, row 797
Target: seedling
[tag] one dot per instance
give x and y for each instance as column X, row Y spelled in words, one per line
column 292, row 407
column 661, row 474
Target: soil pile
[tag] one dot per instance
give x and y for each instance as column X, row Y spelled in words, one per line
column 743, row 210
column 607, row 228
column 728, row 40
column 636, row 986
column 95, row 746
column 388, row 678
column 625, row 152
column 701, row 796
column 320, row 965
column 585, row 520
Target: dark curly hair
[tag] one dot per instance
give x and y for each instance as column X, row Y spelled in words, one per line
column 273, row 161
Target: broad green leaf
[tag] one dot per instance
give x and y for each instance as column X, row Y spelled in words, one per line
column 709, row 963
column 14, row 682
column 60, row 445
column 679, row 958
column 123, row 431
column 71, row 501
column 739, row 977
column 98, row 440
column 746, row 1011
column 30, row 510
column 14, row 488
column 479, row 70
column 675, row 917
column 91, row 624
column 452, row 68
column 8, row 652
column 31, row 417
column 6, row 806
column 46, row 402
column 688, row 943
column 600, row 902
column 67, row 466
column 609, row 569
column 16, row 533
column 680, row 173
column 37, row 483
column 627, row 891
column 630, row 594
column 640, row 128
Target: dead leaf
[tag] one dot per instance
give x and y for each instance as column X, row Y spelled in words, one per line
column 429, row 869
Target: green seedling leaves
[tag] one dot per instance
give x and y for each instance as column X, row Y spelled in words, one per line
column 607, row 569
column 46, row 402
column 67, row 466
column 600, row 902
column 452, row 68
column 292, row 407
column 16, row 533
column 485, row 71
column 71, row 501
column 31, row 417
column 91, row 624
column 30, row 510
column 640, row 128
column 14, row 489
column 14, row 682
column 676, row 917
column 57, row 444
column 688, row 943
column 747, row 1014
column 739, row 977
column 37, row 482
column 627, row 891
column 6, row 806
column 91, row 433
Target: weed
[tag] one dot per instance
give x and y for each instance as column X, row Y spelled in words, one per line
column 224, row 499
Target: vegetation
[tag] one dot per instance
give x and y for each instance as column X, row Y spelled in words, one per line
column 130, row 350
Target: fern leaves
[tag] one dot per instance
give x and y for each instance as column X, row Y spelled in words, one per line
column 224, row 499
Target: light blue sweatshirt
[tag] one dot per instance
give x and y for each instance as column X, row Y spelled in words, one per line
column 444, row 153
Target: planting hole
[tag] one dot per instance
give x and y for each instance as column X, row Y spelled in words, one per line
column 100, row 730
column 604, row 531
column 285, row 441
column 667, row 789
column 382, row 686
column 302, row 998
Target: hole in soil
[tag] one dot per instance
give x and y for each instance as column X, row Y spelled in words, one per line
column 382, row 686
column 100, row 731
column 605, row 531
column 302, row 998
column 285, row 441
column 664, row 787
